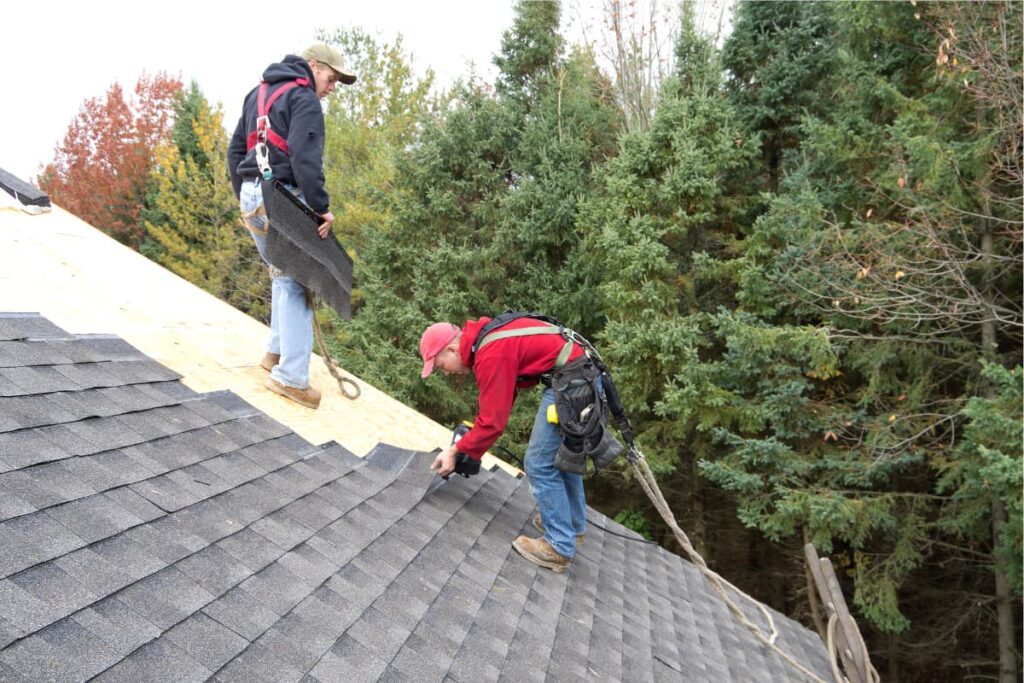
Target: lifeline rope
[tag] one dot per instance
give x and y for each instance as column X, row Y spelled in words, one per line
column 650, row 486
column 329, row 362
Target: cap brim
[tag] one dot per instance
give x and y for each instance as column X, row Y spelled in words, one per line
column 344, row 76
column 428, row 367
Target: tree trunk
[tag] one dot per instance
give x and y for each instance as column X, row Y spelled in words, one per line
column 1004, row 605
column 1004, row 597
column 988, row 327
column 700, row 530
column 894, row 659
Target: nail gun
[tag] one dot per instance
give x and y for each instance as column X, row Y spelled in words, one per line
column 464, row 465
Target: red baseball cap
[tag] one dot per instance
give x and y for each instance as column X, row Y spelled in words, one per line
column 434, row 339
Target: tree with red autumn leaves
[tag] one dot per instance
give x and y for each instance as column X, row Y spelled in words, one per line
column 100, row 172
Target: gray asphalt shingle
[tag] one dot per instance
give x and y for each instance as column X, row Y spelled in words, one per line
column 21, row 326
column 41, row 379
column 151, row 533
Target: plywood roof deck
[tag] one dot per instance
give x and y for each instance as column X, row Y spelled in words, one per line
column 59, row 266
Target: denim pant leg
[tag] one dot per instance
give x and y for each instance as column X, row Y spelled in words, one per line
column 291, row 317
column 559, row 495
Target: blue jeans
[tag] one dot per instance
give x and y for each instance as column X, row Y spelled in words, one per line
column 559, row 495
column 291, row 317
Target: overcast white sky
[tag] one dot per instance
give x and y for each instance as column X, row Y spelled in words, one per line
column 54, row 54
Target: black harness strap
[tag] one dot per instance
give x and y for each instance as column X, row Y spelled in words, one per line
column 546, row 325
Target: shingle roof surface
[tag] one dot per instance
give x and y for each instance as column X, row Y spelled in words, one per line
column 25, row 193
column 150, row 533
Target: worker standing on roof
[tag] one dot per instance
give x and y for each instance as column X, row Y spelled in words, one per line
column 285, row 110
column 514, row 352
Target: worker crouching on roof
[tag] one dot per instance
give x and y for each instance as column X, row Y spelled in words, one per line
column 284, row 114
column 502, row 367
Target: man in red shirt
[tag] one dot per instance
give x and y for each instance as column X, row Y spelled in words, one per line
column 502, row 367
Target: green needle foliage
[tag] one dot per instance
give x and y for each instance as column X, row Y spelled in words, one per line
column 805, row 274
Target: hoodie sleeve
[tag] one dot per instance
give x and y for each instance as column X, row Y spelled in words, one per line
column 306, row 148
column 236, row 152
column 496, row 378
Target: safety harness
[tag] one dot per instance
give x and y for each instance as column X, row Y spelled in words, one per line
column 550, row 325
column 545, row 325
column 583, row 382
column 263, row 134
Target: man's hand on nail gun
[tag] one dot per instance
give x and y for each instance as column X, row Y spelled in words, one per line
column 444, row 463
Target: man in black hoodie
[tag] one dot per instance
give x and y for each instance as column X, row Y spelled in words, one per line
column 290, row 96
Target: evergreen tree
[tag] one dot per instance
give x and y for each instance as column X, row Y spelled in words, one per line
column 536, row 244
column 776, row 56
column 426, row 265
column 529, row 51
column 669, row 193
column 189, row 109
column 484, row 212
column 884, row 239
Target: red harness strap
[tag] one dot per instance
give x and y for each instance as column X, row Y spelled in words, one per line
column 263, row 106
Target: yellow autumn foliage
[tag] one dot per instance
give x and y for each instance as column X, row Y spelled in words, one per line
column 196, row 226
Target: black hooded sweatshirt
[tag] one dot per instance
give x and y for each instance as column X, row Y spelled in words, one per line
column 297, row 117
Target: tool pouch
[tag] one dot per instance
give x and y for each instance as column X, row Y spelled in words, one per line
column 582, row 417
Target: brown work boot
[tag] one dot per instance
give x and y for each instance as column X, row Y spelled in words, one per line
column 270, row 360
column 539, row 551
column 538, row 524
column 308, row 397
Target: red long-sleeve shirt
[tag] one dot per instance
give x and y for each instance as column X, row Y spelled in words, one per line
column 497, row 368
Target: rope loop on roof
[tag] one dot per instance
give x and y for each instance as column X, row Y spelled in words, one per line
column 355, row 392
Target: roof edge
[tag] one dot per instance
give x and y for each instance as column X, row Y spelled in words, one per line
column 25, row 193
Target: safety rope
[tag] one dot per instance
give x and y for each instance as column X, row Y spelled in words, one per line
column 650, row 486
column 326, row 355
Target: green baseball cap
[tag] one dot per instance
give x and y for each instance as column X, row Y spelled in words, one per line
column 325, row 54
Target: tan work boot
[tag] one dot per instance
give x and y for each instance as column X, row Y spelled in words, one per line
column 270, row 360
column 538, row 524
column 539, row 551
column 308, row 397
